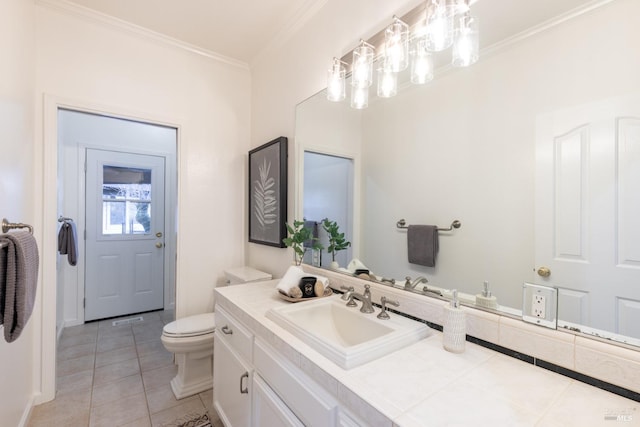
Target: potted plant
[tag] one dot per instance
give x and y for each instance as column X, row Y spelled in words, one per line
column 298, row 235
column 337, row 242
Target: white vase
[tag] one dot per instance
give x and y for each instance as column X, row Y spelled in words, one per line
column 334, row 265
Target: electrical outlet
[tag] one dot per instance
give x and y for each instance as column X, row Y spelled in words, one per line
column 538, row 308
column 540, row 305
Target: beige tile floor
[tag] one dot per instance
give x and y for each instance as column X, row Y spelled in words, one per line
column 117, row 376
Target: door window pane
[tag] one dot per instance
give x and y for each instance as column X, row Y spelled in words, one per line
column 126, row 200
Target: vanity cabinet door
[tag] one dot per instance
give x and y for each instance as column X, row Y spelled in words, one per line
column 268, row 409
column 232, row 381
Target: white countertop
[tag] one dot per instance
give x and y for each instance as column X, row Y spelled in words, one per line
column 425, row 385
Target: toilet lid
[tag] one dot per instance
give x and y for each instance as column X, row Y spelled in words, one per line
column 198, row 324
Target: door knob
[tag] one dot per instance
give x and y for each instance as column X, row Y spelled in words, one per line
column 544, row 272
column 158, row 234
column 159, row 245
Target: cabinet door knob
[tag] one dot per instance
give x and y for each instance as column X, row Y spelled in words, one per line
column 244, row 390
column 227, row 330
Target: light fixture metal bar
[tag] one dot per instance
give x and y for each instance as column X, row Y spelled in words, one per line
column 411, row 18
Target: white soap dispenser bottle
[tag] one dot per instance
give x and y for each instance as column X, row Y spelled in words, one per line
column 454, row 328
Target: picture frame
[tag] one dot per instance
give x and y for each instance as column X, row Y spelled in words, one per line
column 268, row 193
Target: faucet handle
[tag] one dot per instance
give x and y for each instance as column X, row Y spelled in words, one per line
column 348, row 291
column 383, row 302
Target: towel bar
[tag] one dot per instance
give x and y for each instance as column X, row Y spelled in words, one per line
column 455, row 224
column 6, row 226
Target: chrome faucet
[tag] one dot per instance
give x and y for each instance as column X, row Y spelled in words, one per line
column 365, row 298
column 408, row 284
column 348, row 291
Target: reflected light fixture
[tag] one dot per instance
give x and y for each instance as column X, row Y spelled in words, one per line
column 421, row 63
column 466, row 45
column 359, row 97
column 336, row 81
column 387, row 81
column 439, row 24
column 396, row 45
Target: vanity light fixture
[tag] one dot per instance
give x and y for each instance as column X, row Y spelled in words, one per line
column 362, row 65
column 421, row 63
column 466, row 44
column 336, row 77
column 396, row 46
column 439, row 24
column 430, row 27
column 359, row 97
column 387, row 81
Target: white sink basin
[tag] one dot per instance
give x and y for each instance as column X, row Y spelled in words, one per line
column 343, row 334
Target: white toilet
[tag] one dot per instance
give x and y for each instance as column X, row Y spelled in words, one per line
column 191, row 340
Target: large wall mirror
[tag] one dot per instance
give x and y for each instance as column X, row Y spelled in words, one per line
column 535, row 149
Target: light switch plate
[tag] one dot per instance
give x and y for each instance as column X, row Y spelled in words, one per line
column 540, row 305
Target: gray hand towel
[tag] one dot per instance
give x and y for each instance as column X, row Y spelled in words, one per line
column 18, row 282
column 68, row 242
column 422, row 244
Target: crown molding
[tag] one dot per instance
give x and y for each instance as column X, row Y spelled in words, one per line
column 290, row 28
column 94, row 16
column 539, row 28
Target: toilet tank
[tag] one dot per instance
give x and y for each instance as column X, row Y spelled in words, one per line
column 245, row 274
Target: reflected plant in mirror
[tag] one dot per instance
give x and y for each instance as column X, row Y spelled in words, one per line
column 300, row 239
column 337, row 241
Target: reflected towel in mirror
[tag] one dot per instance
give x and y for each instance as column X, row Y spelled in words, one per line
column 422, row 244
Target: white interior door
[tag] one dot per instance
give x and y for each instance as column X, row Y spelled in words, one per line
column 124, row 233
column 588, row 212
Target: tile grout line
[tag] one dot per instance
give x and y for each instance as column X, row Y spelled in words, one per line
column 144, row 388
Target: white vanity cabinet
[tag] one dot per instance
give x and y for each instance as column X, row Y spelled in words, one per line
column 255, row 385
column 268, row 409
column 312, row 404
column 233, row 373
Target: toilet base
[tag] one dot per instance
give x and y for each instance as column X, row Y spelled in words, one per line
column 195, row 374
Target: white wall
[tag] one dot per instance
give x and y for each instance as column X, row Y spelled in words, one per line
column 296, row 69
column 92, row 63
column 19, row 360
column 85, row 62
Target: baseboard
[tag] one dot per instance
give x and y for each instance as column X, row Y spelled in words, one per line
column 59, row 330
column 74, row 322
column 26, row 414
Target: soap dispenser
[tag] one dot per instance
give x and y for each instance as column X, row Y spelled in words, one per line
column 485, row 299
column 454, row 328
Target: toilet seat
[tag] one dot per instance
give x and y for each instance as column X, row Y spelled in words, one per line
column 191, row 326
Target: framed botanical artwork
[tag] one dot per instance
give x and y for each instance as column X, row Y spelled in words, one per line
column 268, row 193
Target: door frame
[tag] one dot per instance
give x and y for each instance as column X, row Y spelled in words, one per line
column 45, row 231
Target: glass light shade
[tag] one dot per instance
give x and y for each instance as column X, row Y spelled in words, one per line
column 396, row 45
column 460, row 6
column 359, row 97
column 421, row 64
column 336, row 81
column 387, row 82
column 362, row 65
column 466, row 46
column 439, row 25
